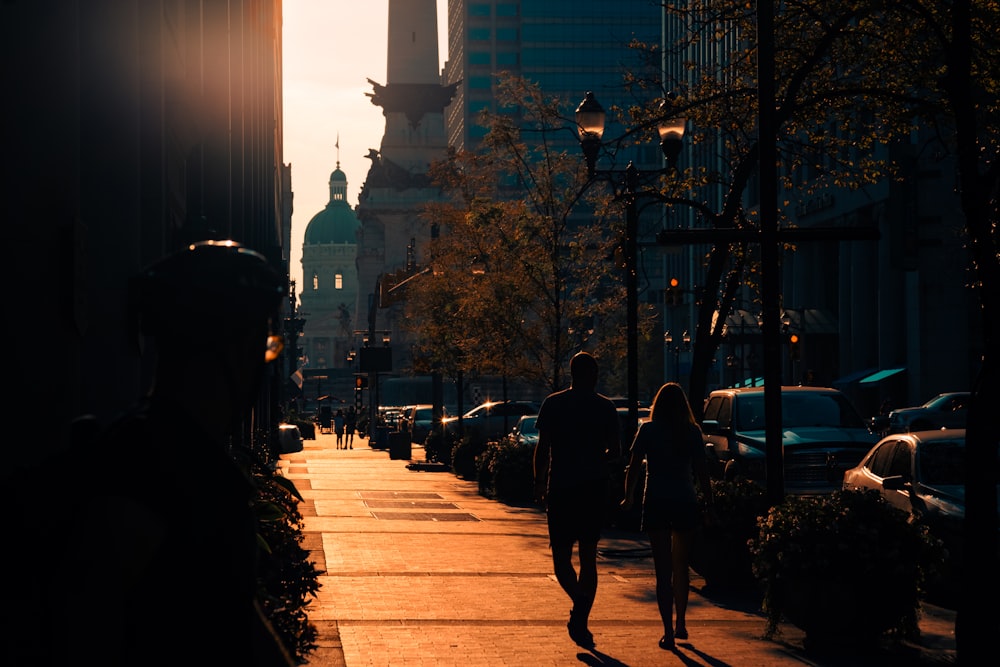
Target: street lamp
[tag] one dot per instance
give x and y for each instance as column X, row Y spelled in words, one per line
column 683, row 344
column 591, row 117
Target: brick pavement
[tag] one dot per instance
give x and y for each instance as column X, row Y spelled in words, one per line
column 421, row 570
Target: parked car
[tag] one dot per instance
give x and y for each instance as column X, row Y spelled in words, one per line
column 921, row 473
column 492, row 420
column 822, row 435
column 524, row 432
column 948, row 410
column 417, row 421
column 391, row 416
column 627, row 438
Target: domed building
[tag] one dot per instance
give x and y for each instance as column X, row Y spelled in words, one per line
column 329, row 295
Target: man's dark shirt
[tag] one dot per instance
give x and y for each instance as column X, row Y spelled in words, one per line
column 580, row 427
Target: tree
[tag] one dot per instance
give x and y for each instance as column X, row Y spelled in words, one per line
column 514, row 211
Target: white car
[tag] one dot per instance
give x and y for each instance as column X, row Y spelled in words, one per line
column 923, row 473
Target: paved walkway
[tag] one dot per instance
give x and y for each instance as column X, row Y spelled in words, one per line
column 421, row 570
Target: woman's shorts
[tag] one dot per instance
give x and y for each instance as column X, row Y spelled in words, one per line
column 671, row 515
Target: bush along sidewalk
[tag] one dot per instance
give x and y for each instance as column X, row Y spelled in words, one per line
column 287, row 579
column 720, row 552
column 847, row 569
column 505, row 472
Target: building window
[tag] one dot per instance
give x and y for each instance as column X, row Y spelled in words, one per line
column 338, row 281
column 315, row 282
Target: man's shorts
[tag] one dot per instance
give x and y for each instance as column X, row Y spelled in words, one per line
column 577, row 513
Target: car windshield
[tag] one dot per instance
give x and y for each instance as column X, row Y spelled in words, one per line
column 942, row 462
column 800, row 409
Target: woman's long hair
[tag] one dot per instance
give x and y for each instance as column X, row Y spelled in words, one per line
column 671, row 409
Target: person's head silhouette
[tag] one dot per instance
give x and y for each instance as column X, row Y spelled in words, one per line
column 208, row 309
column 583, row 370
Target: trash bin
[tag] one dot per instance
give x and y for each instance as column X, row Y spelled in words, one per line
column 381, row 440
column 399, row 445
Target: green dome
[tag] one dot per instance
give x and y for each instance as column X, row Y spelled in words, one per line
column 336, row 223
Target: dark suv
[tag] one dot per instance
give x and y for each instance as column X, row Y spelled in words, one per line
column 949, row 410
column 822, row 433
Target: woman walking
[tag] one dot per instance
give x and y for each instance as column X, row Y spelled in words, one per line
column 671, row 444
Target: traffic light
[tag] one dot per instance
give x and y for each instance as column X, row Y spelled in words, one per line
column 793, row 347
column 672, row 295
column 360, row 382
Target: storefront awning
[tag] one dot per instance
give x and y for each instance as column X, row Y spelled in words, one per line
column 881, row 375
column 750, row 382
column 854, row 377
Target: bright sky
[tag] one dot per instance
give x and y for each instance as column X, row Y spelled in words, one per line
column 331, row 49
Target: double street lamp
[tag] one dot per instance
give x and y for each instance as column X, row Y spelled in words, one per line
column 591, row 118
column 684, row 344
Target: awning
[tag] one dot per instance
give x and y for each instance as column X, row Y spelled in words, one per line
column 881, row 375
column 750, row 382
column 854, row 377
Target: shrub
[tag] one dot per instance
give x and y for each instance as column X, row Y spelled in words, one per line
column 437, row 447
column 287, row 580
column 845, row 568
column 721, row 551
column 506, row 473
column 464, row 455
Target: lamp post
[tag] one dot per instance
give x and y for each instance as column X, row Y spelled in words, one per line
column 683, row 344
column 591, row 117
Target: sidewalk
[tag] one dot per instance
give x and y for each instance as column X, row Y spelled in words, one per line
column 421, row 570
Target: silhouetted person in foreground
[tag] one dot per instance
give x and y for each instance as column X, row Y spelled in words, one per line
column 577, row 436
column 672, row 446
column 162, row 567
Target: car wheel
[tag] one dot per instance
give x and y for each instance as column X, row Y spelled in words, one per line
column 731, row 472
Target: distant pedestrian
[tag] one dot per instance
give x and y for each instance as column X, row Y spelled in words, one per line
column 338, row 428
column 577, row 437
column 350, row 426
column 672, row 446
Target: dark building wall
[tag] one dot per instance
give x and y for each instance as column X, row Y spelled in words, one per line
column 126, row 124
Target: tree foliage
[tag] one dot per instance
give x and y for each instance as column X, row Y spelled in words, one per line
column 541, row 272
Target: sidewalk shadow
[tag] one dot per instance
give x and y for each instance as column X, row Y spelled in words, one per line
column 597, row 659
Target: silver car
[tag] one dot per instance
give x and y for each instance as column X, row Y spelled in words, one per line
column 525, row 433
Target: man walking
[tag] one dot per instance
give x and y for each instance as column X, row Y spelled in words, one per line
column 577, row 436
